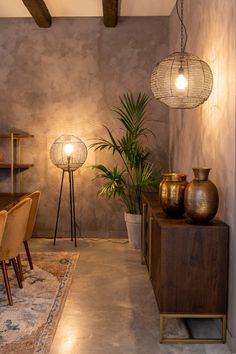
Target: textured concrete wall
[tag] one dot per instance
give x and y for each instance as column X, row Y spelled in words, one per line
column 206, row 136
column 65, row 80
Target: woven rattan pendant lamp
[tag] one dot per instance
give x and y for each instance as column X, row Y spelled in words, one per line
column 182, row 80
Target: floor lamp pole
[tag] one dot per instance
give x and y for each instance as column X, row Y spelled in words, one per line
column 72, row 207
column 58, row 208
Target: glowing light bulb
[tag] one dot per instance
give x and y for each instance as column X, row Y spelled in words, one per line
column 181, row 82
column 68, row 149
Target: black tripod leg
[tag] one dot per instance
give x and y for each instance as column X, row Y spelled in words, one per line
column 73, row 206
column 58, row 208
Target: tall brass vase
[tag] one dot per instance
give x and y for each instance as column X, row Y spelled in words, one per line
column 171, row 193
column 201, row 198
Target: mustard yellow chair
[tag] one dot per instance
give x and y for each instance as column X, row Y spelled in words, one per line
column 3, row 218
column 35, row 197
column 13, row 236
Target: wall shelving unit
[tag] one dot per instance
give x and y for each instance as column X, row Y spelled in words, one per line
column 15, row 165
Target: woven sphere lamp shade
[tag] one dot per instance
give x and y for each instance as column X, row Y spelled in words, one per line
column 194, row 85
column 68, row 152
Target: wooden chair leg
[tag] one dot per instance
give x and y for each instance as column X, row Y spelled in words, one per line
column 20, row 267
column 6, row 281
column 28, row 254
column 17, row 272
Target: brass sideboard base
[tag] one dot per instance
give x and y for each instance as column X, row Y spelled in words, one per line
column 192, row 340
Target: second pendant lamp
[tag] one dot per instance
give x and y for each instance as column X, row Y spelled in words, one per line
column 182, row 80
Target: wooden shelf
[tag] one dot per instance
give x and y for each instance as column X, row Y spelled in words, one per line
column 15, row 165
column 21, row 166
column 16, row 136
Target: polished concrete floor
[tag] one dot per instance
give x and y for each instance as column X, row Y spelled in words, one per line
column 111, row 308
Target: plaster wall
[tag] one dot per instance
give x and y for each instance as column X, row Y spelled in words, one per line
column 205, row 136
column 65, row 80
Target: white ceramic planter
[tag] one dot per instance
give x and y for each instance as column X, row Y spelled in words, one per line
column 133, row 225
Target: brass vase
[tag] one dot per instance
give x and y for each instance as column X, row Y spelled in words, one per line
column 171, row 193
column 201, row 198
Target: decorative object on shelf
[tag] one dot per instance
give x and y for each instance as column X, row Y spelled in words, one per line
column 182, row 80
column 171, row 193
column 135, row 173
column 201, row 198
column 68, row 153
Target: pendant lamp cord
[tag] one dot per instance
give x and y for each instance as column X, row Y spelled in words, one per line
column 180, row 13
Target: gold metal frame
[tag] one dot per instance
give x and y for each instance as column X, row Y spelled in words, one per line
column 15, row 165
column 18, row 159
column 12, row 163
column 192, row 340
column 15, row 149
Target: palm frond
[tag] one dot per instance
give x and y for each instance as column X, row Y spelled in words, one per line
column 137, row 174
column 101, row 143
column 115, row 184
column 132, row 113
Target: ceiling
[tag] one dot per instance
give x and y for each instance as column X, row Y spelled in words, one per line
column 63, row 8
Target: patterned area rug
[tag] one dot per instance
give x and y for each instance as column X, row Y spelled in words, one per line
column 29, row 325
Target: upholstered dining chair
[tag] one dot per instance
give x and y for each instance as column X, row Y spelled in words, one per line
column 3, row 218
column 13, row 236
column 35, row 197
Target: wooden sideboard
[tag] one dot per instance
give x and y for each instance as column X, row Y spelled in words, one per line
column 188, row 266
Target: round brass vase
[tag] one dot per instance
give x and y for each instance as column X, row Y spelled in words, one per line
column 171, row 193
column 201, row 198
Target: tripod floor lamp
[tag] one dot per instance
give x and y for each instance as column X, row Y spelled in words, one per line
column 68, row 153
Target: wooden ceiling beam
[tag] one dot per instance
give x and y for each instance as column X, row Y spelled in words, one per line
column 39, row 12
column 110, row 12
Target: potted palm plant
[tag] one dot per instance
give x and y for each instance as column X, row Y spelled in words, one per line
column 134, row 173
